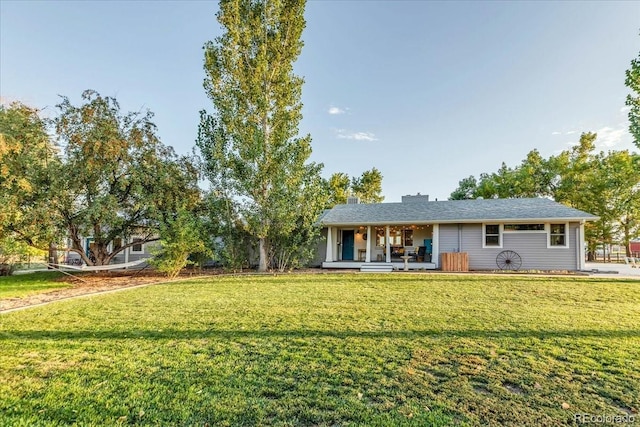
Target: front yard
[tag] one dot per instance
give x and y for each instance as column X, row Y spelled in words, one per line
column 328, row 349
column 21, row 285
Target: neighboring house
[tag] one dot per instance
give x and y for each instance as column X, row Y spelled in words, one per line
column 135, row 252
column 634, row 246
column 543, row 234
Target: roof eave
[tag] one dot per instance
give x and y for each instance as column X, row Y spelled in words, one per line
column 461, row 221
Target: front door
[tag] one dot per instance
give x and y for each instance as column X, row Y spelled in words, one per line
column 347, row 245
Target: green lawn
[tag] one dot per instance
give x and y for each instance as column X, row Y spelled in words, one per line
column 21, row 285
column 328, row 350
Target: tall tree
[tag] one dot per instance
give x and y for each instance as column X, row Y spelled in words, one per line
column 339, row 187
column 534, row 177
column 633, row 100
column 368, row 187
column 116, row 179
column 621, row 173
column 27, row 156
column 466, row 189
column 576, row 171
column 231, row 243
column 252, row 154
column 295, row 230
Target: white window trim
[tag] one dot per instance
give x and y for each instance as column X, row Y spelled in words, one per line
column 131, row 250
column 566, row 236
column 111, row 248
column 484, row 235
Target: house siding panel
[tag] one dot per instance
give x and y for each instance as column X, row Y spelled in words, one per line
column 320, row 254
column 147, row 248
column 136, row 257
column 448, row 239
column 532, row 248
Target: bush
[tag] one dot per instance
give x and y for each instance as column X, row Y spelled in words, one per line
column 180, row 237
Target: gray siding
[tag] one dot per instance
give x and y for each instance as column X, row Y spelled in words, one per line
column 119, row 259
column 321, row 251
column 147, row 248
column 449, row 238
column 532, row 248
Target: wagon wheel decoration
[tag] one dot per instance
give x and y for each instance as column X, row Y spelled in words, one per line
column 508, row 260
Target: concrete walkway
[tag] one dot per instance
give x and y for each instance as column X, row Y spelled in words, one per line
column 599, row 269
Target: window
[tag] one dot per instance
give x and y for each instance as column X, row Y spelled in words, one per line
column 396, row 237
column 408, row 237
column 524, row 227
column 492, row 235
column 137, row 245
column 558, row 235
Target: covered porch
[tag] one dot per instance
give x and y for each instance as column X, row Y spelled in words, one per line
column 378, row 266
column 388, row 246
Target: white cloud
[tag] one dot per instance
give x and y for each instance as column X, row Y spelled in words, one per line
column 625, row 110
column 357, row 136
column 336, row 110
column 571, row 132
column 556, row 133
column 609, row 137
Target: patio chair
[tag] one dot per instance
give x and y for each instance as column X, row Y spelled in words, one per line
column 630, row 261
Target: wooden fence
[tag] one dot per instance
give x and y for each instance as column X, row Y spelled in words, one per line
column 455, row 261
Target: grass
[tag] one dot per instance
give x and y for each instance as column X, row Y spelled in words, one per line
column 21, row 285
column 400, row 349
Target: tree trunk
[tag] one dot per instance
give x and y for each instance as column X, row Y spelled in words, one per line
column 53, row 255
column 262, row 263
column 101, row 254
column 627, row 240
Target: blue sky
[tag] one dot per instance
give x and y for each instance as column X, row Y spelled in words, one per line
column 427, row 92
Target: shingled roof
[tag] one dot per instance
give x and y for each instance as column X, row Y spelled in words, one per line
column 453, row 211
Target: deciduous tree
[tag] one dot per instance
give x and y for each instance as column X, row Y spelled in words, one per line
column 368, row 187
column 621, row 174
column 466, row 189
column 116, row 180
column 633, row 99
column 27, row 157
column 339, row 188
column 250, row 145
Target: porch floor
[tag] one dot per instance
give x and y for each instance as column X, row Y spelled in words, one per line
column 394, row 264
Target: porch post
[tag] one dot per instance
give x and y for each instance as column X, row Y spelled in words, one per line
column 329, row 257
column 388, row 245
column 367, row 257
column 435, row 243
column 580, row 245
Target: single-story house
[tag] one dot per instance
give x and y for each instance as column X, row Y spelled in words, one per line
column 528, row 234
column 138, row 251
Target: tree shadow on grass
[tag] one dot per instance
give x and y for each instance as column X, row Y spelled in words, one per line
column 181, row 334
